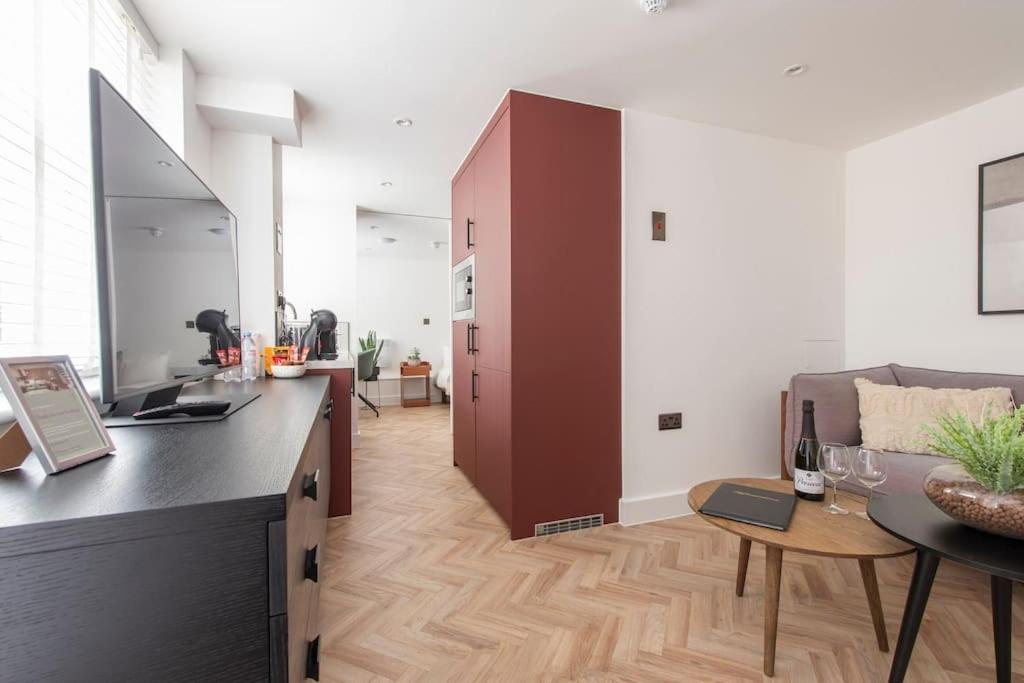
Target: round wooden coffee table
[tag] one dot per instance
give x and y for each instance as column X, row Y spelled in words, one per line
column 812, row 531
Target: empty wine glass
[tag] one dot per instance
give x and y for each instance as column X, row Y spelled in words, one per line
column 834, row 463
column 871, row 469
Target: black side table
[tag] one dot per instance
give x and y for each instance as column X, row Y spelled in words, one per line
column 913, row 518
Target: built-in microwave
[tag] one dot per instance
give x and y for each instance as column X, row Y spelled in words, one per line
column 463, row 286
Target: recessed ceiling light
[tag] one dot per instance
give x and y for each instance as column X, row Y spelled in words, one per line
column 794, row 70
column 404, row 123
column 436, row 244
column 386, row 183
column 218, row 231
column 388, row 240
column 165, row 164
column 224, row 218
column 654, row 6
column 155, row 232
column 373, row 227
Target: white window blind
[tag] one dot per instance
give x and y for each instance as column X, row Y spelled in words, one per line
column 47, row 270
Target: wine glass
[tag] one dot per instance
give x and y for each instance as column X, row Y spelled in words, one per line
column 871, row 469
column 834, row 463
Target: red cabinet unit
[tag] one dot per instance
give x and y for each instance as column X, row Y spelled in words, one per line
column 536, row 395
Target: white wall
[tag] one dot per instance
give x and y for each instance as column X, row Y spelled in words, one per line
column 178, row 120
column 320, row 256
column 911, row 244
column 718, row 317
column 395, row 295
column 242, row 176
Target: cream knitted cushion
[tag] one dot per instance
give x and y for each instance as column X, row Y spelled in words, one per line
column 893, row 418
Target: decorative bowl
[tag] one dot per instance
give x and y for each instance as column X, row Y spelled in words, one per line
column 957, row 494
column 288, row 370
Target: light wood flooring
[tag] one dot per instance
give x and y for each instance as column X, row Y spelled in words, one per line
column 423, row 583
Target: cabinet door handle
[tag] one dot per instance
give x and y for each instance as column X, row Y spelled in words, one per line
column 329, row 409
column 471, row 338
column 469, row 239
column 311, row 569
column 473, row 390
column 309, row 484
column 313, row 659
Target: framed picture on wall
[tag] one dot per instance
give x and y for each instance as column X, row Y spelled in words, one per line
column 1001, row 236
column 58, row 417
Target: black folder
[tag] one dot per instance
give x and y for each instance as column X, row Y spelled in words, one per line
column 769, row 509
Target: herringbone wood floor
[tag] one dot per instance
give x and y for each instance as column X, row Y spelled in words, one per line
column 422, row 583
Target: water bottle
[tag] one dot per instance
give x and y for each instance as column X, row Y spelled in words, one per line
column 250, row 358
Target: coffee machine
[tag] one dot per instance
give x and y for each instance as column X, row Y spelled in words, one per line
column 321, row 337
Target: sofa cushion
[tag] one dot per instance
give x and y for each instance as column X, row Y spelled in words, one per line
column 836, row 411
column 943, row 379
column 894, row 418
column 906, row 473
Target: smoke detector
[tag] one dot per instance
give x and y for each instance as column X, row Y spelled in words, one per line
column 654, row 6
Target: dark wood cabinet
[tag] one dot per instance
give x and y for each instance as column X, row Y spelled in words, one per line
column 185, row 556
column 493, row 201
column 464, row 410
column 540, row 399
column 463, row 214
column 494, row 442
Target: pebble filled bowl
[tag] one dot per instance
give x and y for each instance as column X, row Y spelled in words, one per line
column 957, row 494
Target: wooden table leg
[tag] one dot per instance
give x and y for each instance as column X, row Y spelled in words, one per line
column 917, row 598
column 772, row 582
column 1002, row 626
column 867, row 573
column 741, row 566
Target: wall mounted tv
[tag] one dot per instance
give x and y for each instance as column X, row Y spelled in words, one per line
column 166, row 258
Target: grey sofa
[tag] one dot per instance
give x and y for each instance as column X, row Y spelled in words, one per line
column 837, row 416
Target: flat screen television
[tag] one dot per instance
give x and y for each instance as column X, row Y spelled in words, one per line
column 166, row 257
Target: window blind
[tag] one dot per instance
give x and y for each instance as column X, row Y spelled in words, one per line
column 47, row 269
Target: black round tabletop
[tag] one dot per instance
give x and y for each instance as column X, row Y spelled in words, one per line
column 914, row 519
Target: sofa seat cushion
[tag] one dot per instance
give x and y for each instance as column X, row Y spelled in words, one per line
column 906, row 473
column 836, row 410
column 897, row 418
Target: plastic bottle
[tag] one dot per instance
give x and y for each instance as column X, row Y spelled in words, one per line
column 250, row 357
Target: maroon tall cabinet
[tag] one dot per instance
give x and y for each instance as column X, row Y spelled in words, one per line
column 536, row 374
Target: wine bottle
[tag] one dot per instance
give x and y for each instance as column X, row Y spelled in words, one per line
column 808, row 481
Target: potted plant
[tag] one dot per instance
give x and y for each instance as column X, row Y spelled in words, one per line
column 377, row 345
column 985, row 488
column 414, row 357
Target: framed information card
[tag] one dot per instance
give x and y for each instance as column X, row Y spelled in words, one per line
column 58, row 417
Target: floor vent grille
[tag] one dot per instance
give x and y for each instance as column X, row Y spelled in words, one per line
column 563, row 525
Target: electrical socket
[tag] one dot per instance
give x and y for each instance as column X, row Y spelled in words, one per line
column 670, row 421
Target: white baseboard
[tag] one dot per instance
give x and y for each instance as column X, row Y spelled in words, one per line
column 652, row 508
column 644, row 509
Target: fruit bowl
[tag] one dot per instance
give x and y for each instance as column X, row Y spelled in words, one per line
column 288, row 370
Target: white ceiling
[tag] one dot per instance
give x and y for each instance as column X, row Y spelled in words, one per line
column 875, row 67
column 414, row 236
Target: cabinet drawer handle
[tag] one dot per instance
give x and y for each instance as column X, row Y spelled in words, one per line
column 313, row 659
column 312, row 568
column 329, row 409
column 469, row 239
column 473, row 390
column 309, row 484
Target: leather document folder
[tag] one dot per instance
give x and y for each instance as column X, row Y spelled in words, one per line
column 769, row 509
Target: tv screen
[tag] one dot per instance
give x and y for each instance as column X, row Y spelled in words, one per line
column 166, row 252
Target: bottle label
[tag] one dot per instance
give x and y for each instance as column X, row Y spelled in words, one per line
column 808, row 481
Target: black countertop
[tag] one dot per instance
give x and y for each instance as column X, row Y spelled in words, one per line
column 169, row 478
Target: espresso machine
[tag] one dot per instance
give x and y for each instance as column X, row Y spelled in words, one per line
column 321, row 337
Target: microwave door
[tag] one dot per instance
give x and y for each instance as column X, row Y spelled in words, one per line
column 463, row 296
